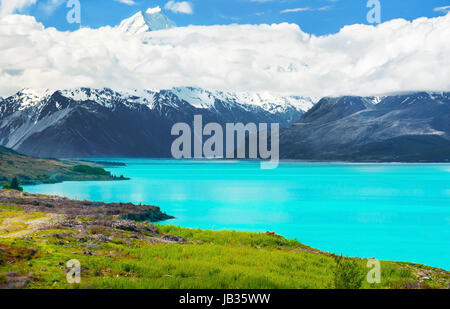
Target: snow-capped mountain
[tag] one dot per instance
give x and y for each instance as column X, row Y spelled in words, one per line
column 103, row 122
column 87, row 122
column 151, row 20
column 271, row 103
column 407, row 127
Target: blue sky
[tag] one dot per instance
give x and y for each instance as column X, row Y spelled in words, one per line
column 313, row 16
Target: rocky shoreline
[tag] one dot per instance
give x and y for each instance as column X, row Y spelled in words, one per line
column 78, row 209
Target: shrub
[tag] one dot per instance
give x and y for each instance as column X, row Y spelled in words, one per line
column 85, row 169
column 15, row 185
column 349, row 274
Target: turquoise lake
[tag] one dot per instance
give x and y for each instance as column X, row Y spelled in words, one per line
column 388, row 211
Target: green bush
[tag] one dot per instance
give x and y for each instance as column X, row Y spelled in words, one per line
column 13, row 186
column 85, row 169
column 349, row 273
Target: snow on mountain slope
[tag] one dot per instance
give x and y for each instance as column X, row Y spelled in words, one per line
column 83, row 121
column 108, row 98
column 376, row 100
column 30, row 97
column 197, row 97
column 201, row 98
column 269, row 102
column 151, row 20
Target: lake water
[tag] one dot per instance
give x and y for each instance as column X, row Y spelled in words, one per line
column 387, row 211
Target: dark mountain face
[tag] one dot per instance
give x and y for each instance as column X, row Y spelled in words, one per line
column 91, row 122
column 92, row 130
column 413, row 127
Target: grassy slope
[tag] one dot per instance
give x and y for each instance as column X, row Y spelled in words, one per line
column 36, row 170
column 209, row 259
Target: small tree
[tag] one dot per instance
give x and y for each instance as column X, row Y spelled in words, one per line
column 15, row 185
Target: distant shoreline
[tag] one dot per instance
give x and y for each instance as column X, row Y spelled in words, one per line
column 114, row 163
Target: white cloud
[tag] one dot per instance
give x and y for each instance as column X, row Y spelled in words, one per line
column 295, row 10
column 127, row 2
column 325, row 8
column 50, row 6
column 361, row 60
column 443, row 9
column 154, row 10
column 11, row 6
column 183, row 7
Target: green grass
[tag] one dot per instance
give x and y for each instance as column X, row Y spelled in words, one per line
column 12, row 208
column 229, row 237
column 209, row 259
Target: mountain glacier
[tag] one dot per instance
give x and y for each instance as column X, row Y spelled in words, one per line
column 85, row 122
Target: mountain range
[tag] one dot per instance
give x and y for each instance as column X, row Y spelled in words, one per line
column 87, row 122
column 408, row 127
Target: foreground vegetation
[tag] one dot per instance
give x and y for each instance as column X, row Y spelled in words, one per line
column 35, row 247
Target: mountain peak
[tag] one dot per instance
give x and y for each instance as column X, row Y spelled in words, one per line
column 151, row 20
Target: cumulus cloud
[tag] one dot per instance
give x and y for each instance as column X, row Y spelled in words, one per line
column 360, row 60
column 183, row 7
column 11, row 6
